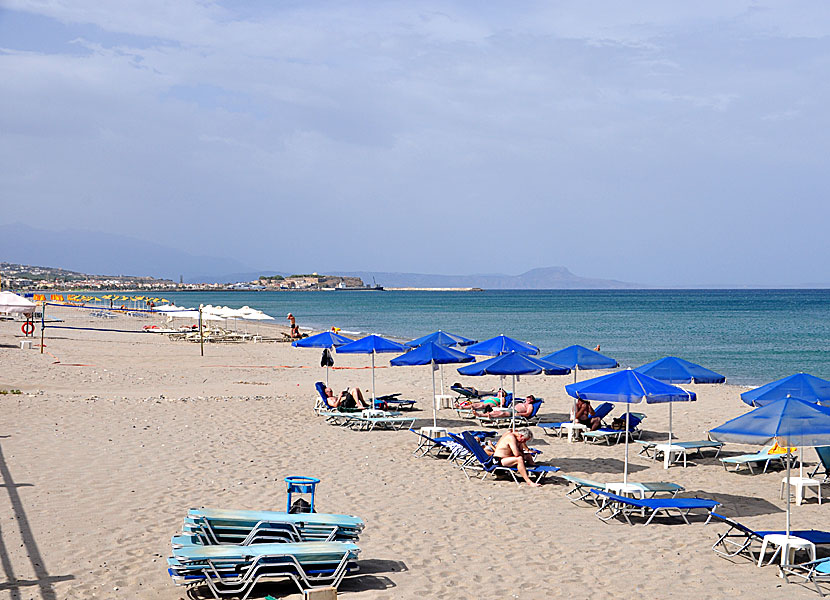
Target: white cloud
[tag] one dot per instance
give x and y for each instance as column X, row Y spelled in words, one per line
column 397, row 117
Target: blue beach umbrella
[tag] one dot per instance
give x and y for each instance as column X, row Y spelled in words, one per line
column 513, row 363
column 431, row 354
column 801, row 385
column 327, row 339
column 441, row 338
column 501, row 344
column 579, row 357
column 671, row 369
column 628, row 387
column 371, row 344
column 790, row 422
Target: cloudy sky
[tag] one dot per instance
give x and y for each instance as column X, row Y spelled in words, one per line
column 657, row 142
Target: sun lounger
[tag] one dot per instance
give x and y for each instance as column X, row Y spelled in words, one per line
column 321, row 404
column 755, row 459
column 214, row 526
column 235, row 570
column 556, row 428
column 738, row 539
column 482, row 462
column 608, row 434
column 617, row 505
column 582, row 488
column 504, row 421
column 370, row 420
column 680, row 450
column 824, row 462
column 815, row 572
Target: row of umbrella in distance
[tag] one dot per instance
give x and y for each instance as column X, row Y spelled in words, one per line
column 650, row 382
column 788, row 411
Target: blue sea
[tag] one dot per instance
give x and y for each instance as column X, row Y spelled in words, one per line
column 751, row 336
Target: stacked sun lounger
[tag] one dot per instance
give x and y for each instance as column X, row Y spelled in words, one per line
column 230, row 551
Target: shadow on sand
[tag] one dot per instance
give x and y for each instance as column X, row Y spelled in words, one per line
column 43, row 581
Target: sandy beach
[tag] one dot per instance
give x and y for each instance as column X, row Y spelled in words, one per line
column 114, row 436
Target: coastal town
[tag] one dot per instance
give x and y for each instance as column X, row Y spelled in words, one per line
column 27, row 277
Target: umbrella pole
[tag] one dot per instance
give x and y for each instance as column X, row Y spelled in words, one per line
column 373, row 379
column 327, row 376
column 434, row 414
column 788, row 489
column 441, row 367
column 573, row 404
column 670, row 435
column 625, row 470
column 513, row 407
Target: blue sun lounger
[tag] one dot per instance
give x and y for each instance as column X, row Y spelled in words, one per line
column 824, row 461
column 582, row 488
column 235, row 570
column 608, row 434
column 601, row 411
column 214, row 526
column 617, row 505
column 521, row 421
column 814, row 572
column 756, row 459
column 739, row 539
column 480, row 461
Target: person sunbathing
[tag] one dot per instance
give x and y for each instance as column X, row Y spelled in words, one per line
column 349, row 398
column 523, row 409
column 490, row 402
column 512, row 451
column 475, row 392
column 584, row 414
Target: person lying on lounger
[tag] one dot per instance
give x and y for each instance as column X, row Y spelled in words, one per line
column 523, row 409
column 512, row 451
column 490, row 402
column 350, row 398
column 474, row 391
column 584, row 414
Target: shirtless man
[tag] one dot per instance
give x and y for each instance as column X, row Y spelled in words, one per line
column 351, row 398
column 512, row 451
column 584, row 414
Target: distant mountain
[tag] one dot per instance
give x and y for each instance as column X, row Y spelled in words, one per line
column 546, row 278
column 101, row 253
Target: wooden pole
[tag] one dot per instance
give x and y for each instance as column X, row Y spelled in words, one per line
column 201, row 333
column 42, row 325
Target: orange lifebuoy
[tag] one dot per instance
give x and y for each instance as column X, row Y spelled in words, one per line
column 28, row 328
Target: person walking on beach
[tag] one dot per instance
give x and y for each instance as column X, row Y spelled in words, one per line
column 291, row 320
column 512, row 451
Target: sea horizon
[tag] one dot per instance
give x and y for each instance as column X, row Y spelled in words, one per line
column 751, row 336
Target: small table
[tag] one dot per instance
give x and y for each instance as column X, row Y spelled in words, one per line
column 634, row 490
column 799, row 483
column 433, row 432
column 574, row 430
column 786, row 546
column 443, row 401
column 668, row 451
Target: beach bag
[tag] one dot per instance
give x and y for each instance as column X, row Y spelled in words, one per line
column 618, row 423
column 300, row 505
column 326, row 360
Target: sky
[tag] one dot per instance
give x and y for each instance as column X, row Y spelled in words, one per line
column 656, row 142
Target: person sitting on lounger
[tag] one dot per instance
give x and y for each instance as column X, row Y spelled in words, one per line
column 523, row 409
column 512, row 451
column 295, row 332
column 584, row 414
column 350, row 398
